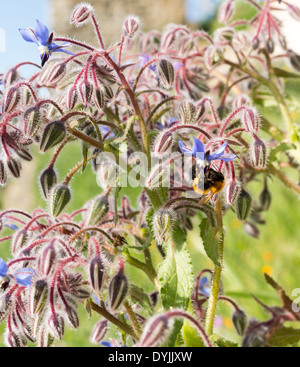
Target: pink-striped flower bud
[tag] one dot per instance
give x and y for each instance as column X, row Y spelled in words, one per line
column 163, row 143
column 11, row 77
column 294, row 11
column 131, row 25
column 19, row 240
column 270, row 45
column 47, row 259
column 156, row 331
column 97, row 272
column 72, row 317
column 282, row 41
column 118, row 288
column 3, row 173
column 47, row 180
column 97, row 210
column 56, row 326
column 32, row 122
column 5, row 305
column 59, row 197
column 163, row 222
column 258, row 153
column 14, row 166
column 232, row 191
column 12, row 99
column 81, row 14
column 71, row 98
column 251, row 120
column 54, row 133
column 166, row 73
column 57, row 73
column 99, row 332
column 44, row 338
column 211, row 56
column 187, row 112
column 15, row 340
column 99, row 97
column 85, row 90
column 38, row 296
column 226, row 11
column 241, row 100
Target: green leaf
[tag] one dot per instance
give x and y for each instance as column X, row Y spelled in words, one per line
column 211, row 237
column 282, row 147
column 190, row 334
column 281, row 73
column 222, row 342
column 283, row 337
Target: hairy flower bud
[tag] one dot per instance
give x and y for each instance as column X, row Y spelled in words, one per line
column 251, row 120
column 57, row 72
column 99, row 97
column 265, row 198
column 99, row 331
column 294, row 11
column 81, row 14
column 163, row 222
column 226, row 11
column 12, row 99
column 85, row 90
column 258, row 153
column 24, row 154
column 3, row 173
column 295, row 60
column 239, row 320
column 54, row 133
column 118, row 289
column 251, row 229
column 166, row 73
column 97, row 209
column 163, row 142
column 11, row 77
column 240, row 101
column 46, row 261
column 270, row 45
column 97, row 272
column 243, row 205
column 15, row 340
column 232, row 191
column 131, row 25
column 56, row 326
column 72, row 98
column 5, row 304
column 38, row 295
column 187, row 112
column 156, row 331
column 59, row 197
column 47, row 180
column 32, row 122
column 211, row 56
column 72, row 317
column 19, row 240
column 14, row 166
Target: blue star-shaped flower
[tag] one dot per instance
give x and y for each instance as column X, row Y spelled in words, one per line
column 40, row 36
column 198, row 151
column 21, row 276
column 204, row 286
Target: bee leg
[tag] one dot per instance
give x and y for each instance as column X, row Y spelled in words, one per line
column 213, row 191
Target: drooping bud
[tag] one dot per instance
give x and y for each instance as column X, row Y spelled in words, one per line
column 270, row 45
column 239, row 320
column 11, row 99
column 163, row 143
column 14, row 166
column 3, row 173
column 5, row 304
column 251, row 120
column 251, row 229
column 211, row 56
column 57, row 73
column 258, row 153
column 131, row 25
column 97, row 272
column 265, row 198
column 72, row 317
column 24, row 154
column 11, row 77
column 56, row 326
column 44, row 338
column 15, row 340
column 243, row 205
column 54, row 133
column 85, row 90
column 226, row 11
column 282, row 41
column 48, row 179
column 32, row 122
column 98, row 208
column 255, row 43
column 38, row 296
column 19, row 240
column 99, row 97
column 163, row 221
column 59, row 197
column 157, row 177
column 240, row 101
column 118, row 288
column 99, row 331
column 166, row 73
column 81, row 14
column 72, row 98
column 294, row 11
column 156, row 331
column 232, row 191
column 187, row 112
column 222, row 111
column 295, row 60
column 46, row 261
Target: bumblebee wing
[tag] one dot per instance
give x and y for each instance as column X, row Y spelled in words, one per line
column 199, row 180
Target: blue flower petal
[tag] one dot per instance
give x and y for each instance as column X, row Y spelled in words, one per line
column 53, row 47
column 23, row 276
column 96, row 300
column 183, row 148
column 105, row 343
column 3, row 268
column 228, row 157
column 218, row 153
column 42, row 33
column 11, row 226
column 198, row 146
column 28, row 35
column 203, row 282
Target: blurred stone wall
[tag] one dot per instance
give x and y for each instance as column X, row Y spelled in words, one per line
column 154, row 14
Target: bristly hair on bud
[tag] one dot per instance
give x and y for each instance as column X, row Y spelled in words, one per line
column 251, row 120
column 81, row 14
column 97, row 272
column 57, row 72
column 187, row 112
column 163, row 222
column 118, row 287
column 32, row 121
column 258, row 153
column 226, row 11
column 166, row 73
column 243, row 205
column 54, row 133
column 232, row 190
column 12, row 99
column 239, row 320
column 163, row 143
column 97, row 209
column 131, row 25
column 59, row 197
column 241, row 100
column 156, row 331
column 99, row 331
column 47, row 180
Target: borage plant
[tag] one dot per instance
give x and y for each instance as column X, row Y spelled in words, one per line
column 172, row 116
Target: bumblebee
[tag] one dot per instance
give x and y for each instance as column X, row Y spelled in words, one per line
column 4, row 283
column 118, row 240
column 207, row 182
